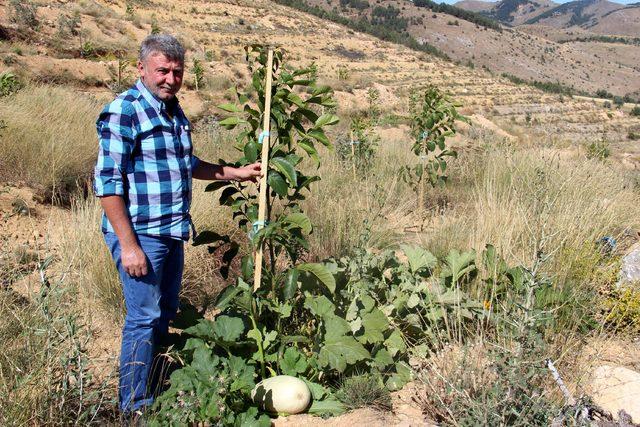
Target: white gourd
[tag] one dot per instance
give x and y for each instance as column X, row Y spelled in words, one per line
column 282, row 394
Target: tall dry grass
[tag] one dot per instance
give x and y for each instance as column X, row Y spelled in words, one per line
column 50, row 140
column 516, row 196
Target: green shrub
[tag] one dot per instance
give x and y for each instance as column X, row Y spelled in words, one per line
column 599, row 150
column 362, row 391
column 23, row 13
column 635, row 111
column 622, row 310
column 9, row 84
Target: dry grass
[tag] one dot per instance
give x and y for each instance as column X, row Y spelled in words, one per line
column 49, row 140
column 516, row 195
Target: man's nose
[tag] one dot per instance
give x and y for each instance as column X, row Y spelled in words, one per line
column 170, row 77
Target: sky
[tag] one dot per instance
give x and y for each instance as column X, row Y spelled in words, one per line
column 556, row 1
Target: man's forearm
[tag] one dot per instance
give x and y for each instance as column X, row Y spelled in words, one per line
column 116, row 211
column 210, row 172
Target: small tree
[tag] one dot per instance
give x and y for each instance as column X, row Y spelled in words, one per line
column 198, row 73
column 433, row 120
column 23, row 13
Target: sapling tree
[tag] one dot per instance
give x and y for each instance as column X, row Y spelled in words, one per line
column 359, row 149
column 433, row 120
column 198, row 73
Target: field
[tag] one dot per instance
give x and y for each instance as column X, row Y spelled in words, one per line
column 484, row 279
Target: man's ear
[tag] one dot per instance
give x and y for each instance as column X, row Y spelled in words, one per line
column 140, row 68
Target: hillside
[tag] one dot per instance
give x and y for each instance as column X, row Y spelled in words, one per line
column 516, row 12
column 597, row 16
column 526, row 56
column 474, row 5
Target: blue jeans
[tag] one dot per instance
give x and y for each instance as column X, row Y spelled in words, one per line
column 151, row 302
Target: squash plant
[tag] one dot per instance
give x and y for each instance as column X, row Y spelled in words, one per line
column 433, row 120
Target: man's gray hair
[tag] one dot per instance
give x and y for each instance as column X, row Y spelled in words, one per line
column 166, row 44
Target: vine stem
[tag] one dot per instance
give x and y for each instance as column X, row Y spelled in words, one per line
column 262, row 207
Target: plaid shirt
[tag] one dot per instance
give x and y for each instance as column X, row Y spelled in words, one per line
column 145, row 156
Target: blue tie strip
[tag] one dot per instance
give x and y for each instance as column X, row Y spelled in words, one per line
column 264, row 134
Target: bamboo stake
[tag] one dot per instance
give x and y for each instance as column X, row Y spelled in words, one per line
column 353, row 156
column 262, row 206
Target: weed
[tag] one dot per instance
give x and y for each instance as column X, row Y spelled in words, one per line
column 363, row 391
column 155, row 26
column 23, row 13
column 9, row 84
column 622, row 310
column 635, row 111
column 598, row 150
column 69, row 26
column 43, row 365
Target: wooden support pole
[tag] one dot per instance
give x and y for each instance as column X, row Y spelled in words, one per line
column 262, row 206
column 353, row 156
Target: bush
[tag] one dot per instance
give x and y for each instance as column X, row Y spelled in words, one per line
column 9, row 84
column 50, row 140
column 599, row 150
column 44, row 362
column 622, row 310
column 23, row 13
column 635, row 111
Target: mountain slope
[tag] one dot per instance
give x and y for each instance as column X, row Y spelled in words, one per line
column 516, row 12
column 474, row 5
column 509, row 51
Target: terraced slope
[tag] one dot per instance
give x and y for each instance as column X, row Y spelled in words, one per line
column 215, row 32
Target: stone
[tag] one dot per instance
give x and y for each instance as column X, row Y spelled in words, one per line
column 616, row 388
column 630, row 270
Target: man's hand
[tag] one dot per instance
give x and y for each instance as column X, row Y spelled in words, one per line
column 134, row 261
column 249, row 173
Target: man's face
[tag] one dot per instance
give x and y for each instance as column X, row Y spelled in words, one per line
column 163, row 77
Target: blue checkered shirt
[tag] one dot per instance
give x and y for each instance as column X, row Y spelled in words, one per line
column 146, row 157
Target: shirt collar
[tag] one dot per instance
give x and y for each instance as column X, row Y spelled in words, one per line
column 158, row 104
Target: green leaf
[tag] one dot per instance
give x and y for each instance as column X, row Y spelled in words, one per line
column 330, row 406
column 395, row 343
column 458, row 264
column 310, row 150
column 320, row 305
column 326, row 120
column 375, row 324
column 216, row 185
column 251, row 151
column 231, row 122
column 290, row 284
column 401, row 377
column 231, row 108
column 293, row 362
column 299, row 220
column 321, row 273
column 382, row 359
column 228, row 328
column 225, row 297
column 277, row 183
column 320, row 137
column 338, row 353
column 295, row 99
column 286, row 169
column 207, row 237
column 419, row 258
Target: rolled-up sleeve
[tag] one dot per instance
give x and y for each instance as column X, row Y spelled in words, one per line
column 194, row 162
column 116, row 137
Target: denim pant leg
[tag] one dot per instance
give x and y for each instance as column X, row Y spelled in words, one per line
column 170, row 286
column 141, row 327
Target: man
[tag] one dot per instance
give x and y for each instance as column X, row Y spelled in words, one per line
column 143, row 178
